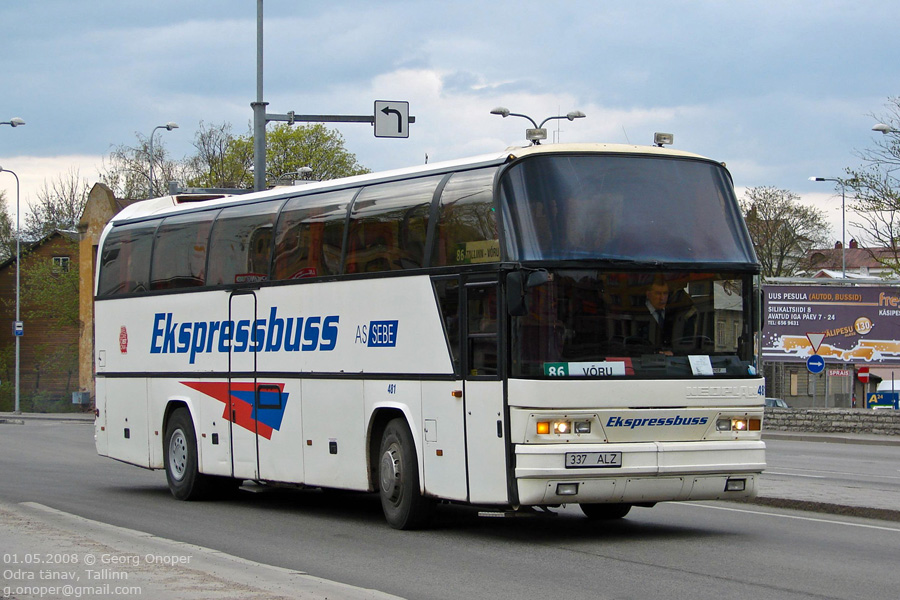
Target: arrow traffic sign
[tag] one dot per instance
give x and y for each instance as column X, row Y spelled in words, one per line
column 391, row 119
column 815, row 364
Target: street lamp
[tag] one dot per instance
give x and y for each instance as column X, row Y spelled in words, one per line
column 885, row 129
column 168, row 127
column 17, row 326
column 843, row 222
column 15, row 122
column 538, row 133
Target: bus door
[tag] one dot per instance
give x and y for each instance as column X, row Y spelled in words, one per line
column 443, row 408
column 483, row 391
column 242, row 385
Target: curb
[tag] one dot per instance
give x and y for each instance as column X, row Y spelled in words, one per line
column 70, row 417
column 831, row 438
column 882, row 514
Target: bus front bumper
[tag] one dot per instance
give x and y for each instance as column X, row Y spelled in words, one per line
column 648, row 472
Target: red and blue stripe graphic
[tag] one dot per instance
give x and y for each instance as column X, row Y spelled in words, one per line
column 257, row 407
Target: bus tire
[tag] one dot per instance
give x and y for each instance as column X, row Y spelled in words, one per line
column 604, row 512
column 181, row 460
column 398, row 475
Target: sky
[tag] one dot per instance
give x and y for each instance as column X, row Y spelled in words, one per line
column 778, row 90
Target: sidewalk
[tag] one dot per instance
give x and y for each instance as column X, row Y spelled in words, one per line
column 50, row 554
column 811, row 495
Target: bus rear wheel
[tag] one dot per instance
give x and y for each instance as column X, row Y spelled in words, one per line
column 604, row 512
column 398, row 474
column 181, row 460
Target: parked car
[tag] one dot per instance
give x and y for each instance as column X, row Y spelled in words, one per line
column 776, row 403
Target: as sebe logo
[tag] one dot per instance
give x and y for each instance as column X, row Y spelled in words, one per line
column 378, row 334
column 123, row 340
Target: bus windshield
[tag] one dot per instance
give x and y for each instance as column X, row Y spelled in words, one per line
column 585, row 322
column 622, row 207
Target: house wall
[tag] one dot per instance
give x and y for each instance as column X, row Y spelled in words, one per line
column 48, row 351
column 99, row 209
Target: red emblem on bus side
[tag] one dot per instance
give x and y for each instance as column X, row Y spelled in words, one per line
column 123, row 340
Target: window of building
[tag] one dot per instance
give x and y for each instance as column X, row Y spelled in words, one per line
column 61, row 264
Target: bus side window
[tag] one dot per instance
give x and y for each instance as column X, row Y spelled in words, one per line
column 388, row 224
column 482, row 326
column 447, row 292
column 240, row 235
column 125, row 259
column 179, row 251
column 467, row 227
column 309, row 235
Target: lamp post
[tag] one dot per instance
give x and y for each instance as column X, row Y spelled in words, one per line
column 843, row 222
column 15, row 122
column 538, row 133
column 17, row 332
column 168, row 127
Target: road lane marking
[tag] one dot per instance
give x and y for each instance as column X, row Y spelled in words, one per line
column 767, row 472
column 796, row 517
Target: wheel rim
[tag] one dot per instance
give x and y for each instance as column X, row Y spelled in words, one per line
column 391, row 474
column 178, row 455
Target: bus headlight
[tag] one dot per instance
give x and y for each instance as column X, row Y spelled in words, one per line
column 562, row 427
column 550, row 428
column 738, row 424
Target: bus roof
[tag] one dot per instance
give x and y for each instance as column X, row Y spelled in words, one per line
column 178, row 203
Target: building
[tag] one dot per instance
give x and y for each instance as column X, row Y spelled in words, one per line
column 860, row 262
column 48, row 348
column 101, row 206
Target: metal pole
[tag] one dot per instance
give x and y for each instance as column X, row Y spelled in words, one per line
column 259, row 109
column 18, row 408
column 843, row 233
column 150, row 191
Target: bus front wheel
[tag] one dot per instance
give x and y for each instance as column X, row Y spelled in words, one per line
column 604, row 512
column 180, row 458
column 398, row 473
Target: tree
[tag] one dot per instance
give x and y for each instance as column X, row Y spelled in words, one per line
column 221, row 161
column 291, row 148
column 128, row 171
column 225, row 160
column 7, row 231
column 783, row 230
column 50, row 290
column 875, row 186
column 59, row 205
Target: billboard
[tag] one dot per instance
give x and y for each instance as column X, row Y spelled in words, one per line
column 856, row 324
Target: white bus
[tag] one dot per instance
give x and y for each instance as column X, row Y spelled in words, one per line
column 482, row 332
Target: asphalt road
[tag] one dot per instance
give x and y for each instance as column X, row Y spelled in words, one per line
column 873, row 466
column 688, row 550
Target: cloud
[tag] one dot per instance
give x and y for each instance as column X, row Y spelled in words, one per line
column 35, row 171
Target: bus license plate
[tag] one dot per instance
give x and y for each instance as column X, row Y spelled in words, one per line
column 593, row 460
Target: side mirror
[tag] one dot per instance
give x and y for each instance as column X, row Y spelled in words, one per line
column 515, row 294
